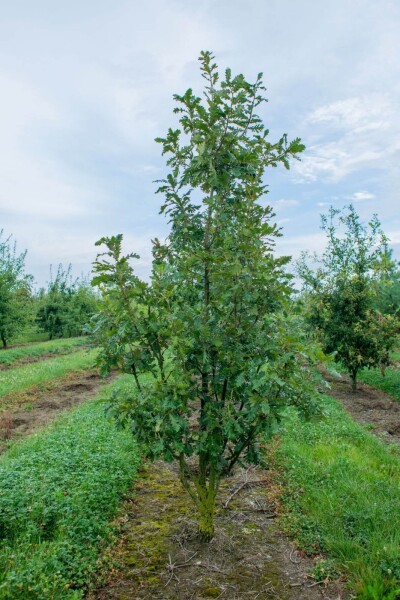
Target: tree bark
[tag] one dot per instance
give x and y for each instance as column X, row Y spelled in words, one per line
column 206, row 493
column 353, row 376
column 3, row 339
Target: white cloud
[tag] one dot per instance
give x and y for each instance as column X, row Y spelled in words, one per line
column 294, row 245
column 361, row 196
column 360, row 114
column 366, row 132
column 284, row 203
column 394, row 237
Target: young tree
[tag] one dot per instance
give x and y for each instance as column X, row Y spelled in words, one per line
column 342, row 291
column 65, row 308
column 210, row 330
column 15, row 291
column 387, row 300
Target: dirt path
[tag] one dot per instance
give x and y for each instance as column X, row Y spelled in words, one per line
column 163, row 559
column 368, row 406
column 36, row 408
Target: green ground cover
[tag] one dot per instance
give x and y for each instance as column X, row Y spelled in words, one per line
column 39, row 373
column 59, row 490
column 342, row 498
column 389, row 383
column 31, row 335
column 60, row 346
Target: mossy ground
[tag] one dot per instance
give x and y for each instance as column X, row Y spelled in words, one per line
column 162, row 556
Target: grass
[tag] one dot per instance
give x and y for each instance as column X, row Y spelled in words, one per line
column 40, row 373
column 60, row 346
column 342, row 497
column 31, row 335
column 59, row 490
column 390, row 382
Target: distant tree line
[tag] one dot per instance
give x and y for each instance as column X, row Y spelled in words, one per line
column 62, row 309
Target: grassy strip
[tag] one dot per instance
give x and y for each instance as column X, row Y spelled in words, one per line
column 14, row 380
column 389, row 383
column 61, row 346
column 59, row 490
column 342, row 496
column 31, row 335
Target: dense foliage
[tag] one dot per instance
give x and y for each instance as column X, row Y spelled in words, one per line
column 341, row 293
column 212, row 327
column 65, row 308
column 15, row 291
column 59, row 491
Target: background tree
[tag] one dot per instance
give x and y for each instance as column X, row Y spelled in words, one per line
column 211, row 330
column 15, row 291
column 342, row 292
column 65, row 308
column 387, row 299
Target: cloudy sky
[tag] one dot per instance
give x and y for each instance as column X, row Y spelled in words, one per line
column 86, row 86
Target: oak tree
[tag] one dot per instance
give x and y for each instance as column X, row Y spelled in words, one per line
column 210, row 331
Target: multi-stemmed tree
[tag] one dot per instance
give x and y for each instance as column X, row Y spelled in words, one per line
column 210, row 331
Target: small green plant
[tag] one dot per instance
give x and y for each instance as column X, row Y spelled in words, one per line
column 324, row 570
column 379, row 589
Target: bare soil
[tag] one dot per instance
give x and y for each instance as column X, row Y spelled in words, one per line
column 162, row 557
column 36, row 407
column 368, row 406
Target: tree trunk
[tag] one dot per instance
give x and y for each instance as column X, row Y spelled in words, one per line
column 353, row 376
column 3, row 339
column 206, row 518
column 203, row 491
column 206, row 495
